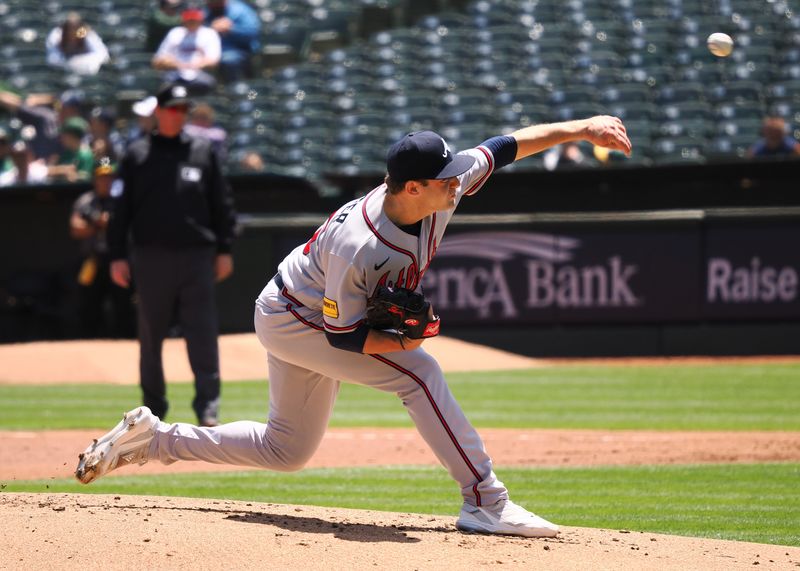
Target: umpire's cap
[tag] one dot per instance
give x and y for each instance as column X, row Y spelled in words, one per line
column 173, row 94
column 424, row 155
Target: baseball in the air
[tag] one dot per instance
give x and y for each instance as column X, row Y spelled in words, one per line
column 719, row 44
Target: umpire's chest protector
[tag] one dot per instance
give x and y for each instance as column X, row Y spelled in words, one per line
column 171, row 177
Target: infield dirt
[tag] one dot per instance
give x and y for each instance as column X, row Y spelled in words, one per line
column 122, row 532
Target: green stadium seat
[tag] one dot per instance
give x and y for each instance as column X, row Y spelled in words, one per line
column 625, row 93
column 330, row 28
column 748, row 127
column 414, row 118
column 418, row 98
column 743, row 110
column 784, row 91
column 687, row 156
column 573, row 94
column 468, row 115
column 576, row 111
column 729, row 146
column 737, row 92
column 461, row 137
column 655, row 76
column 284, row 43
column 376, row 15
column 643, row 111
column 700, row 129
column 708, row 74
column 686, row 110
column 681, row 92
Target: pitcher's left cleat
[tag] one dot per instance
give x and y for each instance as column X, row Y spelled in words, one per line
column 504, row 518
column 127, row 443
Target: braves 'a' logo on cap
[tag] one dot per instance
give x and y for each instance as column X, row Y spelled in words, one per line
column 446, row 149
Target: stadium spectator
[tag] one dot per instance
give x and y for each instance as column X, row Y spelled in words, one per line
column 775, row 140
column 201, row 124
column 251, row 161
column 106, row 141
column 239, row 26
column 88, row 223
column 189, row 52
column 74, row 46
column 76, row 161
column 563, row 156
column 163, row 18
column 26, row 169
column 42, row 116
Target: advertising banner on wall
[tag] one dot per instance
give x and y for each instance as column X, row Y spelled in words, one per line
column 622, row 275
column 752, row 272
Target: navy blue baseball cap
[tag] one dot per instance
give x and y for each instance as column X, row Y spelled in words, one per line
column 424, row 155
column 172, row 94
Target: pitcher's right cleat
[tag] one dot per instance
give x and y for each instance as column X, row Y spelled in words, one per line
column 504, row 518
column 127, row 443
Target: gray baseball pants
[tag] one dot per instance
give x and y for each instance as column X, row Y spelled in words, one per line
column 304, row 374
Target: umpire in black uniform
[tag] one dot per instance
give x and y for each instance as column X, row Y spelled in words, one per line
column 171, row 228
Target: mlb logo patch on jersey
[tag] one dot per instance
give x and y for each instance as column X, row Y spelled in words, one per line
column 330, row 308
column 191, row 174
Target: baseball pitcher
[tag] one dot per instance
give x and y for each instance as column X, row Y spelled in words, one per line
column 346, row 306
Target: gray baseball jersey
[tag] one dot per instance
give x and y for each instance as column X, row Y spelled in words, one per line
column 358, row 248
column 323, row 287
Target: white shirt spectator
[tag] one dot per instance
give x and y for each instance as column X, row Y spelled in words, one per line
column 191, row 47
column 87, row 62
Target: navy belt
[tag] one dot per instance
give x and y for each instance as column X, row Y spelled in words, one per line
column 278, row 281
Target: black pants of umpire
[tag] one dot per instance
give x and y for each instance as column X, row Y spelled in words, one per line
column 177, row 282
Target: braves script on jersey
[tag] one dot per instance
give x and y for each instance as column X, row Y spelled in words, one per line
column 358, row 248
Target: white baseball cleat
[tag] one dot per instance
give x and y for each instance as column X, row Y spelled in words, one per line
column 126, row 443
column 504, row 518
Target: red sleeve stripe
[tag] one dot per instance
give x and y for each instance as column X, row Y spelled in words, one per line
column 336, row 328
column 479, row 183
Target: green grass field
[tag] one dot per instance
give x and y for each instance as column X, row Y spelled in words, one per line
column 742, row 502
column 676, row 397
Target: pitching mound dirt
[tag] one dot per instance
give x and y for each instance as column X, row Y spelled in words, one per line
column 124, row 532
